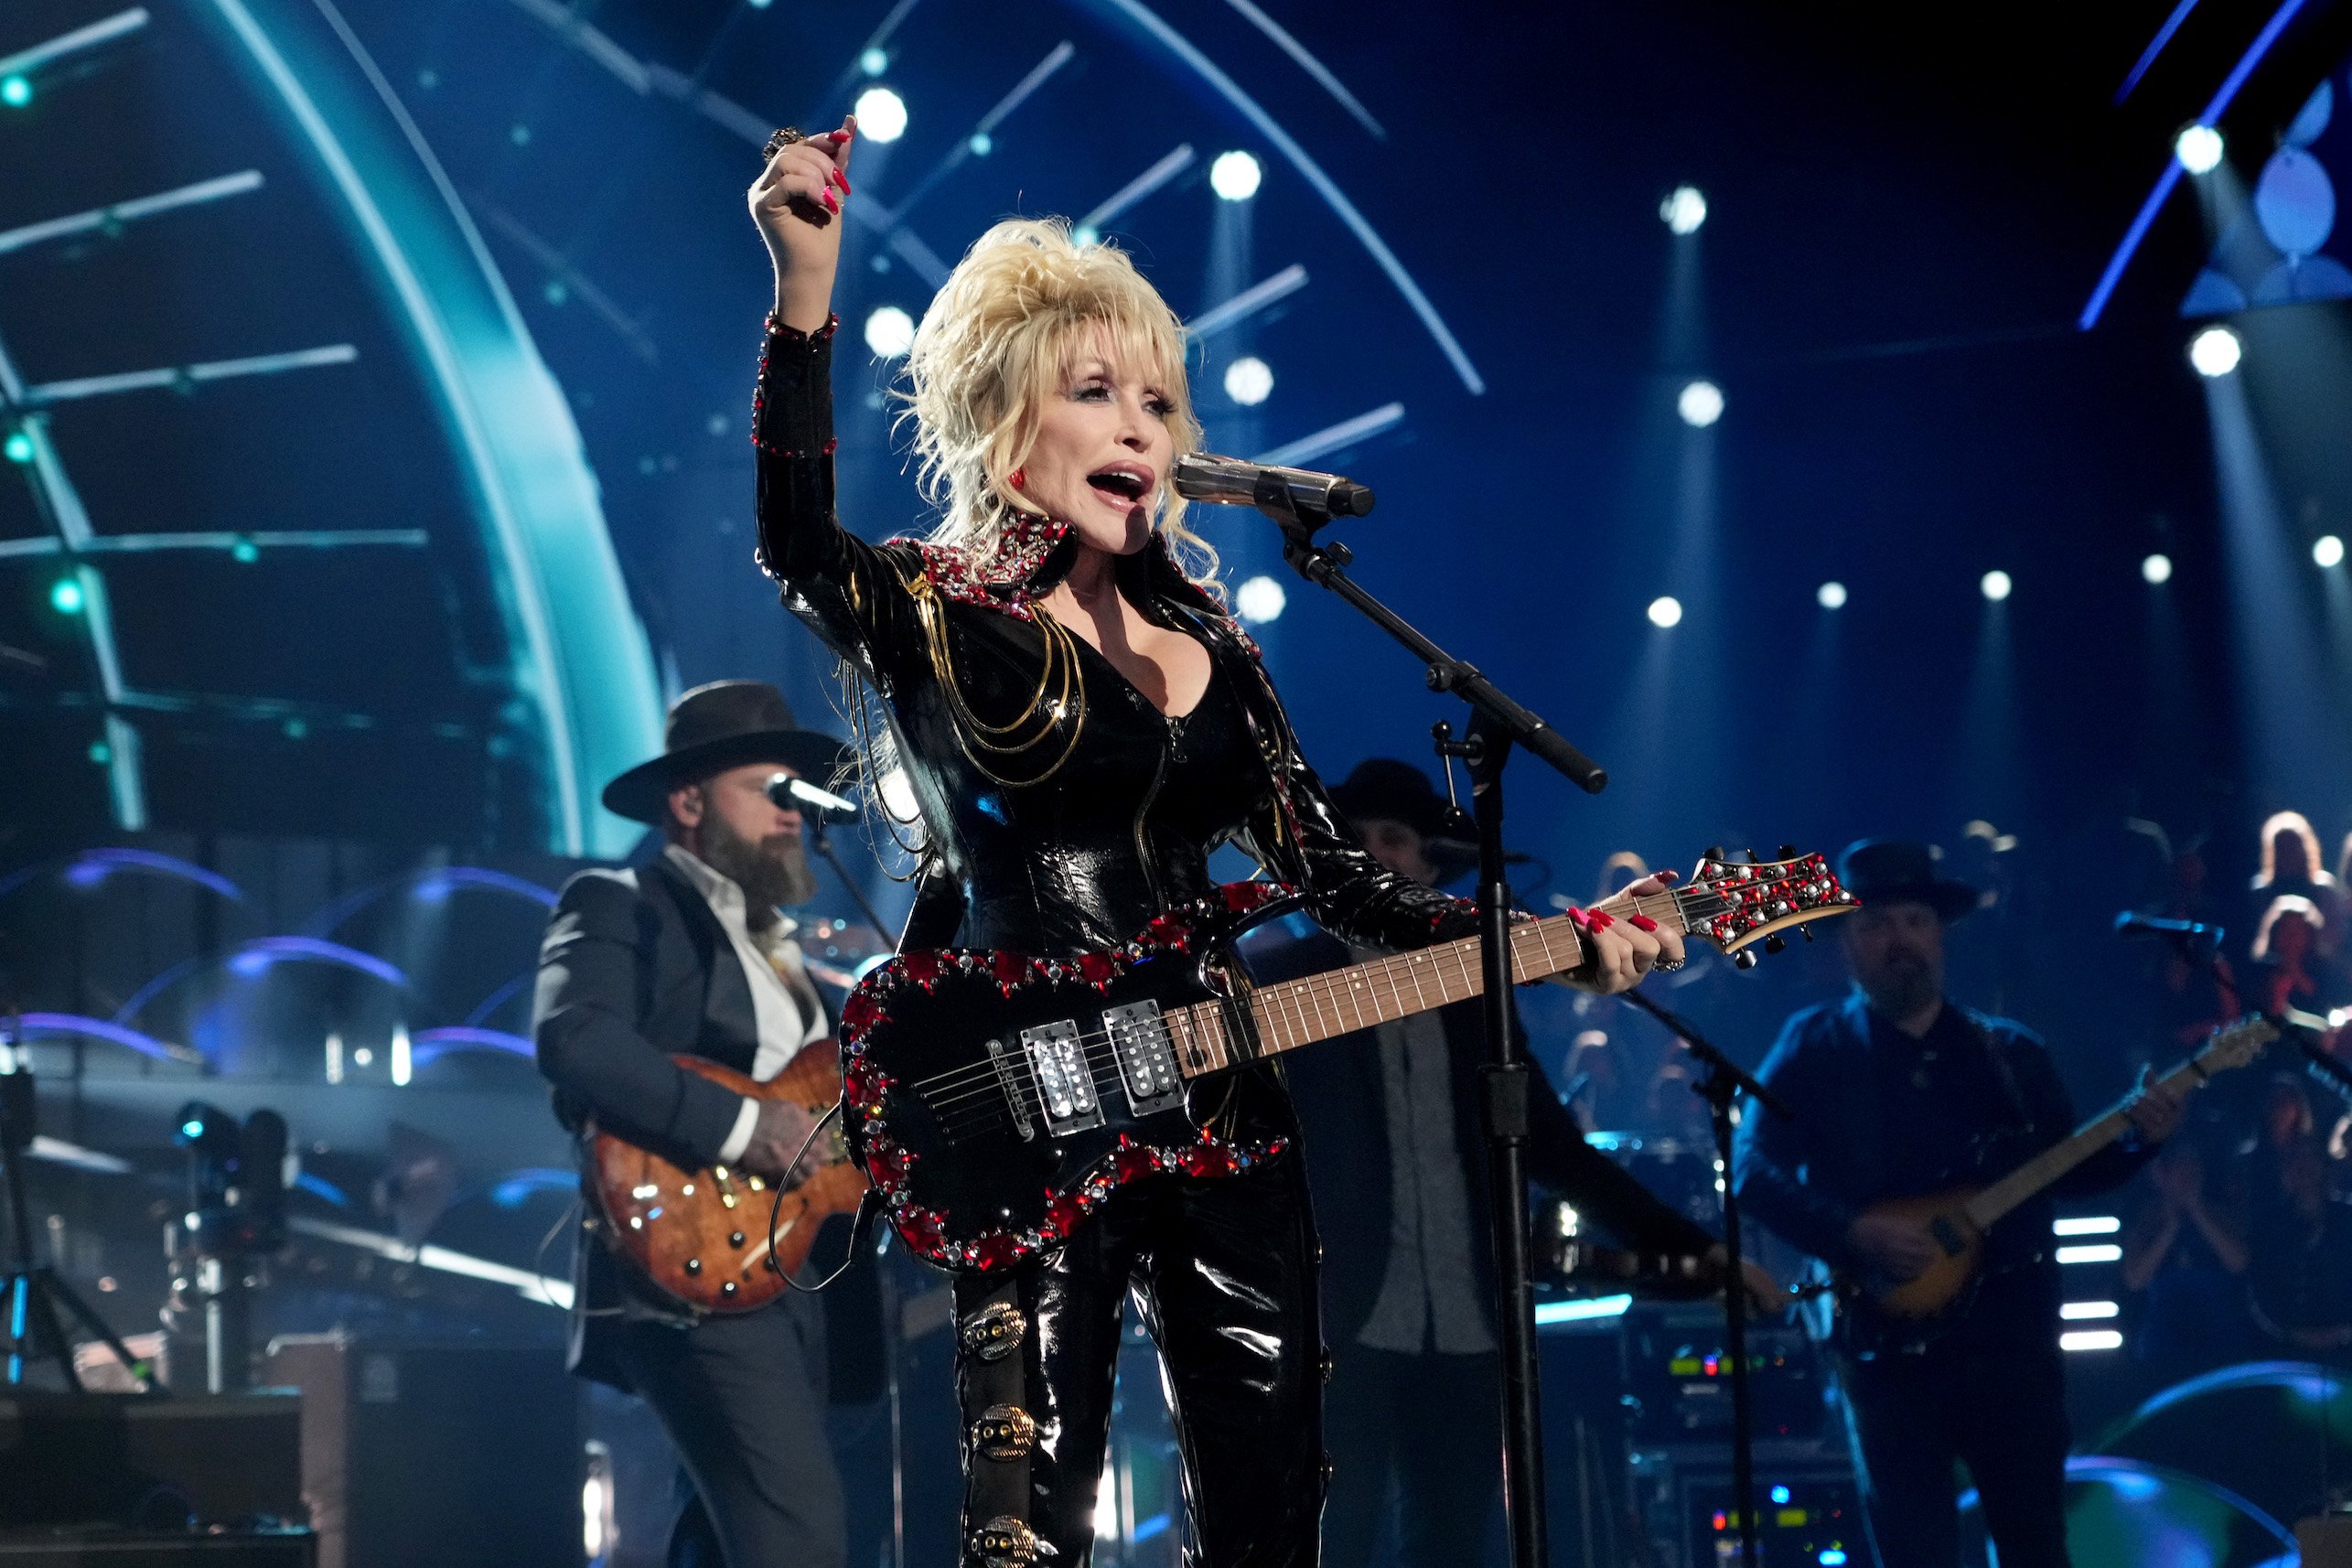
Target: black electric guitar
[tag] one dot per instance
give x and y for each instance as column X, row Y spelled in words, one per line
column 996, row 1099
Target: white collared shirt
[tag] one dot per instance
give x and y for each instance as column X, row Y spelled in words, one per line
column 788, row 1019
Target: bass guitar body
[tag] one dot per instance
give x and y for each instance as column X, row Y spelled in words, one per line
column 1960, row 1249
column 701, row 1236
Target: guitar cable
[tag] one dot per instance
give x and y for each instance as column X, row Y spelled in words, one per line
column 776, row 1209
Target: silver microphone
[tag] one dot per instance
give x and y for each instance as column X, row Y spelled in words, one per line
column 800, row 795
column 1230, row 481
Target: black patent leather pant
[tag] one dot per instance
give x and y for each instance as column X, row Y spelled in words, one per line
column 1223, row 1272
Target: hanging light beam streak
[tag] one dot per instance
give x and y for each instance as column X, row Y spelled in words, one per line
column 2156, row 47
column 854, row 71
column 62, row 504
column 1346, row 433
column 143, row 543
column 1142, row 186
column 103, row 218
column 598, row 46
column 37, row 1024
column 1061, row 55
column 100, row 32
column 539, row 1288
column 183, row 377
column 1315, row 67
column 1258, row 296
column 1176, row 43
column 639, row 341
column 2171, row 177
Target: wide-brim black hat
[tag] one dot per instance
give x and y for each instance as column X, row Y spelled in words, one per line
column 1382, row 788
column 727, row 724
column 1898, row 871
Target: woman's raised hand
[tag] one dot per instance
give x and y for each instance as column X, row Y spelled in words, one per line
column 797, row 201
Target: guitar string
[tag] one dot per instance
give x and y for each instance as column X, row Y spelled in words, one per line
column 1322, row 987
column 1322, row 992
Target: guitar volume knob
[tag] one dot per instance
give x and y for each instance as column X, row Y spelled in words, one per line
column 735, row 1237
column 694, row 1265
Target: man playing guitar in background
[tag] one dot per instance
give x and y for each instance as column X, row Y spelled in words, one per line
column 1897, row 1092
column 687, row 955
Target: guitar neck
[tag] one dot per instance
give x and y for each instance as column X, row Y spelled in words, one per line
column 2055, row 1161
column 1300, row 1012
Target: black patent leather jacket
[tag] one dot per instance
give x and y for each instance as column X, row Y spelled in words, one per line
column 1122, row 829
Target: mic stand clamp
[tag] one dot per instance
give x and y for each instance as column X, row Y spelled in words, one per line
column 1496, row 725
column 1720, row 1083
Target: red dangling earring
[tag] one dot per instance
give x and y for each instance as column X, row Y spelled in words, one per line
column 1018, row 478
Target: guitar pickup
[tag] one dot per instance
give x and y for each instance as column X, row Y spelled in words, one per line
column 1147, row 1067
column 1003, row 1060
column 1065, row 1084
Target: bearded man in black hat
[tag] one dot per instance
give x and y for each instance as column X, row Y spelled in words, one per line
column 689, row 954
column 1896, row 1091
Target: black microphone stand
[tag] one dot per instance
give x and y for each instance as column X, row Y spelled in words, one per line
column 1720, row 1083
column 1497, row 723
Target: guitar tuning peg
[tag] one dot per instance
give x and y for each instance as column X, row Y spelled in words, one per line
column 1788, row 851
column 1754, row 858
column 1714, row 852
column 1743, row 959
column 1807, row 932
column 1773, row 944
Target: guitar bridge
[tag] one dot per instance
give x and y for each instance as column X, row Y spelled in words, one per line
column 1003, row 1060
column 1147, row 1065
column 1065, row 1085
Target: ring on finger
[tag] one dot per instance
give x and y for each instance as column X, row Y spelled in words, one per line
column 780, row 140
column 1665, row 968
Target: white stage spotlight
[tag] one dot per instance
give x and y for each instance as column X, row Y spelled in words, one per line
column 1260, row 600
column 2156, row 569
column 2198, row 148
column 1665, row 611
column 1684, row 209
column 1831, row 596
column 889, row 332
column 1700, row 404
column 1249, row 380
column 2214, row 352
column 2327, row 550
column 1996, row 586
column 1235, row 176
column 881, row 115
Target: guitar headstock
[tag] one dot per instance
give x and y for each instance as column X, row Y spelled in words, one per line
column 2235, row 1045
column 1734, row 904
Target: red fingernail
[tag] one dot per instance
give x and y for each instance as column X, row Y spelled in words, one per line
column 1641, row 922
column 837, row 137
column 830, row 205
column 1602, row 919
column 1579, row 919
column 843, row 180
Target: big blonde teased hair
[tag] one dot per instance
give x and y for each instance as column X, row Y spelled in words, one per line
column 1001, row 338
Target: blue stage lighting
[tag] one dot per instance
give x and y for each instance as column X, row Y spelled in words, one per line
column 19, row 448
column 982, row 143
column 1260, row 600
column 1780, row 1494
column 881, row 115
column 1086, row 234
column 1996, row 586
column 1831, row 596
column 1249, row 380
column 67, row 598
column 2198, row 148
column 889, row 332
column 16, row 91
column 1235, row 176
column 2214, row 352
column 1665, row 611
column 874, row 62
column 1684, row 209
column 244, row 553
column 2156, row 569
column 1700, row 404
column 2327, row 550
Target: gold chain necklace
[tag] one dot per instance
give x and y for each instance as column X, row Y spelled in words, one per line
column 1034, row 725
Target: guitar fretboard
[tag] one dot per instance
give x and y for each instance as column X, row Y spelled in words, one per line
column 1300, row 1012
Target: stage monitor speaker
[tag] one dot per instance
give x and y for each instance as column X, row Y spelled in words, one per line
column 289, row 1547
column 457, row 1455
column 130, row 1460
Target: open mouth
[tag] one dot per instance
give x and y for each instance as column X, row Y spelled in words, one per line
column 1121, row 485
